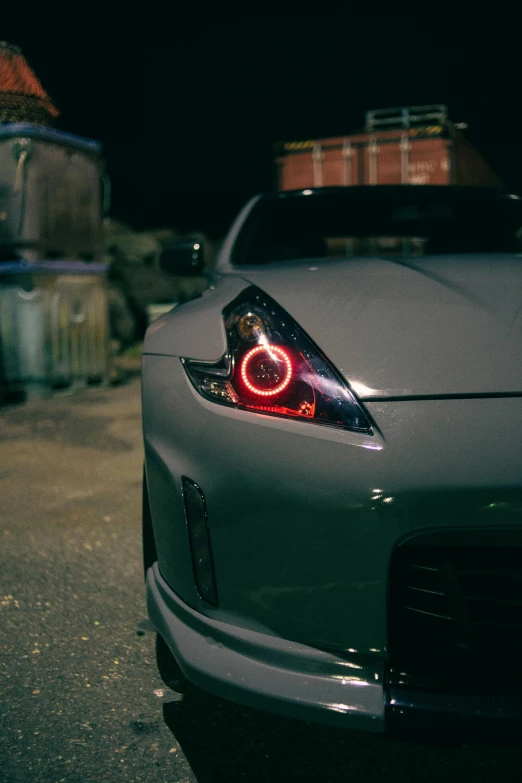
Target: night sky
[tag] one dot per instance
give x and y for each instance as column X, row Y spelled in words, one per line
column 188, row 119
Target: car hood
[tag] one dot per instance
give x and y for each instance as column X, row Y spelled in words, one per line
column 445, row 325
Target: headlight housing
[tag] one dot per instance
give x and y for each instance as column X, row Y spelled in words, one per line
column 272, row 367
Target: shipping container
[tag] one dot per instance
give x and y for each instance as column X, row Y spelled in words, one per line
column 410, row 146
column 50, row 195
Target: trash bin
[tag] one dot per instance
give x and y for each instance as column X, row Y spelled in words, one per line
column 51, row 190
column 53, row 326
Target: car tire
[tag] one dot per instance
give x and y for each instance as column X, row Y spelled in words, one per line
column 168, row 669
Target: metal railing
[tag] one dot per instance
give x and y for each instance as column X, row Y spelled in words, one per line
column 406, row 117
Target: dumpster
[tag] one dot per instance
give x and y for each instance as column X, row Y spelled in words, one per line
column 51, row 189
column 53, row 326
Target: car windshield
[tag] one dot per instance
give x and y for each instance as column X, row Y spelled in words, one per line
column 371, row 221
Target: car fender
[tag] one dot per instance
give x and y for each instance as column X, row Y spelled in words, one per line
column 195, row 329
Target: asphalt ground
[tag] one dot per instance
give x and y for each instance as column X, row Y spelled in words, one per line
column 80, row 696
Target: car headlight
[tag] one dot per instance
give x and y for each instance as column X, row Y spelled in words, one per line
column 272, row 367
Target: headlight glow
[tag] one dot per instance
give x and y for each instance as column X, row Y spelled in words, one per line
column 272, row 367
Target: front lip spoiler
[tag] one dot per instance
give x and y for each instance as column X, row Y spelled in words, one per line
column 264, row 671
column 410, row 713
column 267, row 672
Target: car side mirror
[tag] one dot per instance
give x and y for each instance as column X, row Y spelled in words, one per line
column 184, row 259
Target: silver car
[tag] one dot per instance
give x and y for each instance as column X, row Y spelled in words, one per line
column 333, row 460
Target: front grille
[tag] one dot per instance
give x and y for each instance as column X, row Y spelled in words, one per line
column 455, row 619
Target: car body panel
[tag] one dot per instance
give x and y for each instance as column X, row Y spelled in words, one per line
column 195, row 329
column 303, row 549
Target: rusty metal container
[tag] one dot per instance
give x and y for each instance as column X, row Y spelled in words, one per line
column 50, row 195
column 415, row 146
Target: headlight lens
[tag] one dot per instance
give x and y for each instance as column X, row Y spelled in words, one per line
column 272, row 367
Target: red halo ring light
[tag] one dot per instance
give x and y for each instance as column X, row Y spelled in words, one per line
column 268, row 349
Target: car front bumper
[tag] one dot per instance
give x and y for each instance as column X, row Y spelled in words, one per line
column 265, row 671
column 273, row 674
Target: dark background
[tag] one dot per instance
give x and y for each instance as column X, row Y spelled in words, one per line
column 188, row 105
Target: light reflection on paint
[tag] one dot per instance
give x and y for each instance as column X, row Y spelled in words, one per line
column 349, row 664
column 362, row 390
column 346, row 679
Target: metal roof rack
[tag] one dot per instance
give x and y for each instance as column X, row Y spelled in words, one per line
column 406, row 117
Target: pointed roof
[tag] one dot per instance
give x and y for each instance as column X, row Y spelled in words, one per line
column 22, row 97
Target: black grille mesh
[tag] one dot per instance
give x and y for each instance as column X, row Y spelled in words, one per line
column 455, row 619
